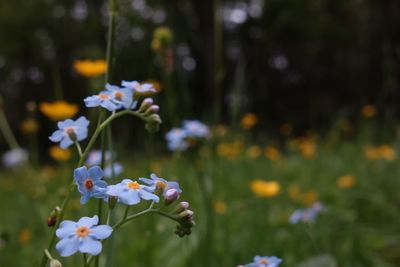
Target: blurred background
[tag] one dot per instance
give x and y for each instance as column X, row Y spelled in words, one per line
column 301, row 93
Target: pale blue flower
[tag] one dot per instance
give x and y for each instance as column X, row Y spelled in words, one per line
column 176, row 139
column 83, row 236
column 113, row 170
column 138, row 88
column 156, row 182
column 196, row 129
column 70, row 131
column 306, row 215
column 265, row 262
column 103, row 99
column 131, row 192
column 122, row 97
column 14, row 157
column 89, row 183
column 94, row 157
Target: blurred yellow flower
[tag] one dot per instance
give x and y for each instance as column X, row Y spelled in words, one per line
column 307, row 147
column 346, row 181
column 264, row 188
column 29, row 126
column 59, row 154
column 230, row 150
column 220, row 207
column 90, row 68
column 248, row 121
column 254, row 152
column 386, row 152
column 25, row 235
column 309, row 197
column 272, row 153
column 369, row 111
column 58, row 110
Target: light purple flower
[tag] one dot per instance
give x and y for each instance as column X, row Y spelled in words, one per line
column 306, row 215
column 83, row 236
column 131, row 192
column 70, row 131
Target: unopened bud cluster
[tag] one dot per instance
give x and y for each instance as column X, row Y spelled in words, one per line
column 185, row 218
column 150, row 113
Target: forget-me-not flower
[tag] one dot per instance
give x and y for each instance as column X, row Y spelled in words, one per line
column 83, row 236
column 159, row 183
column 122, row 97
column 70, row 131
column 176, row 139
column 143, row 89
column 196, row 129
column 306, row 215
column 131, row 192
column 89, row 183
column 265, row 262
column 103, row 99
column 14, row 157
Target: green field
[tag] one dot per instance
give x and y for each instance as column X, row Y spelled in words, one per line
column 360, row 226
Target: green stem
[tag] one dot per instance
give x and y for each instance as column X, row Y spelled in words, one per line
column 110, row 38
column 218, row 74
column 78, row 147
column 6, row 129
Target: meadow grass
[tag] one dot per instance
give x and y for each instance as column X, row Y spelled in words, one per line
column 360, row 226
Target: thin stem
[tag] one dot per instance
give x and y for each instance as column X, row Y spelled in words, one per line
column 85, row 262
column 78, row 147
column 48, row 254
column 110, row 38
column 6, row 129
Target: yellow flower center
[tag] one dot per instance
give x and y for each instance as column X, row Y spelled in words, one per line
column 134, row 185
column 118, row 95
column 82, row 231
column 161, row 184
column 263, row 261
column 103, row 96
column 88, row 184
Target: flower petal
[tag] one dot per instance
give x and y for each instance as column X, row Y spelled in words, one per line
column 101, row 231
column 66, row 142
column 67, row 246
column 66, row 228
column 88, row 222
column 56, row 136
column 80, row 174
column 96, row 173
column 90, row 245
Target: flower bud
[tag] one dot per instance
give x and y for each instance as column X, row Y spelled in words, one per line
column 55, row 263
column 180, row 207
column 170, row 196
column 71, row 133
column 186, row 214
column 146, row 103
column 153, row 109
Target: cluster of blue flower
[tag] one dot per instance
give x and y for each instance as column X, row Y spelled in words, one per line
column 307, row 215
column 180, row 139
column 265, row 261
column 85, row 235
